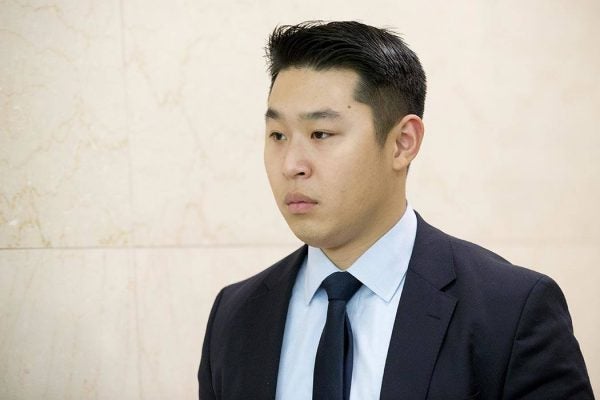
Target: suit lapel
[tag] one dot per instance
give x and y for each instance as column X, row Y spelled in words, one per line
column 422, row 318
column 266, row 313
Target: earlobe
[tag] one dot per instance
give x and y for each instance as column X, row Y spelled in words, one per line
column 407, row 136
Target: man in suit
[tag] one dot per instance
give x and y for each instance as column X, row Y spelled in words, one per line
column 377, row 304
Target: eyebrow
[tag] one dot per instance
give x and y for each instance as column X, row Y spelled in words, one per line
column 326, row 113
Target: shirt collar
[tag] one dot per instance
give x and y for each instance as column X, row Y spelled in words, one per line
column 381, row 268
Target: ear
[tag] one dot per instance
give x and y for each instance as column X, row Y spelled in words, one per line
column 405, row 138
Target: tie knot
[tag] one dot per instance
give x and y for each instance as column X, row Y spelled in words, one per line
column 341, row 286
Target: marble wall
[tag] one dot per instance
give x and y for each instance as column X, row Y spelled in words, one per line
column 132, row 185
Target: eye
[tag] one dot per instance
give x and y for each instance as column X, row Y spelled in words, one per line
column 320, row 135
column 277, row 136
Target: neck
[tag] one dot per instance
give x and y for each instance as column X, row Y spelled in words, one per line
column 344, row 256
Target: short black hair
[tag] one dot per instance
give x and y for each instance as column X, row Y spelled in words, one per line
column 392, row 80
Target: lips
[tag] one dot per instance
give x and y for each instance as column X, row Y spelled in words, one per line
column 298, row 203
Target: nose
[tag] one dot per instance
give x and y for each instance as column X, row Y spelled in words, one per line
column 296, row 162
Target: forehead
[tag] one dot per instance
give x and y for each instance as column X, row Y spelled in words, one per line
column 299, row 89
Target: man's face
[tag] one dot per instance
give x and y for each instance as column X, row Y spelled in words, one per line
column 331, row 180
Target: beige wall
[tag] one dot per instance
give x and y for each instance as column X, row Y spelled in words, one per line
column 132, row 186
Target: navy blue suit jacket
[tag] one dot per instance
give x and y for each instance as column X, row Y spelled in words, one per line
column 469, row 325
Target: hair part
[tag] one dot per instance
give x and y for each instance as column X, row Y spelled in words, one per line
column 391, row 79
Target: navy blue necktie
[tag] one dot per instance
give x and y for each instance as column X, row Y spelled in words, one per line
column 333, row 365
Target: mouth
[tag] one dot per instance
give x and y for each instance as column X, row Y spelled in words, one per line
column 298, row 203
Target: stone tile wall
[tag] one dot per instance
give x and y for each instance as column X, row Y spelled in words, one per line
column 132, row 186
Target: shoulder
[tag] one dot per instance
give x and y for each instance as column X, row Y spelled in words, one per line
column 477, row 273
column 472, row 260
column 490, row 286
column 512, row 322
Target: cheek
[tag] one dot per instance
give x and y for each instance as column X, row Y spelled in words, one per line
column 367, row 182
column 349, row 183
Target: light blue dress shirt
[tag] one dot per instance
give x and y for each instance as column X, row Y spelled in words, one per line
column 372, row 311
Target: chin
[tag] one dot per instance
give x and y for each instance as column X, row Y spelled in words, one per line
column 307, row 235
column 320, row 238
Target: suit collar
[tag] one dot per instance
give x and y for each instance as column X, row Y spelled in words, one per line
column 432, row 257
column 285, row 270
column 266, row 313
column 422, row 318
